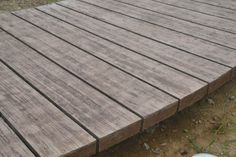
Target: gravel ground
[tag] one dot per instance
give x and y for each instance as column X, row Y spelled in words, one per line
column 207, row 126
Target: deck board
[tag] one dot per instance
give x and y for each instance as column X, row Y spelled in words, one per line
column 79, row 76
column 192, row 45
column 125, row 89
column 188, row 15
column 167, row 79
column 10, row 143
column 49, row 131
column 105, row 118
column 213, row 73
column 202, row 8
column 229, row 4
column 182, row 26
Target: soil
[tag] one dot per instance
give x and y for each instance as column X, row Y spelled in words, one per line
column 207, row 126
column 13, row 5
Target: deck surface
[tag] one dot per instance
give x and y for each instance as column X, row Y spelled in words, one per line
column 79, row 76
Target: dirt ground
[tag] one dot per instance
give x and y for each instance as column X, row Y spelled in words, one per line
column 12, row 5
column 207, row 126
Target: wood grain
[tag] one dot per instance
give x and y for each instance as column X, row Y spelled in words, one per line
column 213, row 73
column 189, row 28
column 203, row 8
column 134, row 94
column 10, row 143
column 80, row 76
column 110, row 122
column 188, row 15
column 230, row 4
column 167, row 79
column 205, row 49
column 49, row 131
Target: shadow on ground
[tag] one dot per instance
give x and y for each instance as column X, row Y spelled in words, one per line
column 207, row 126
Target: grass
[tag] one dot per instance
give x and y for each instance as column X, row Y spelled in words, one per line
column 198, row 148
column 221, row 127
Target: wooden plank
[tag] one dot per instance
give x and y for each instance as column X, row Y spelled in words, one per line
column 49, row 131
column 202, row 8
column 188, row 15
column 10, row 143
column 150, row 103
column 189, row 28
column 109, row 121
column 213, row 73
column 229, row 4
column 185, row 27
column 178, row 84
column 195, row 46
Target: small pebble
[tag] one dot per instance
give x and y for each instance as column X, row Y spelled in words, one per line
column 185, row 130
column 212, row 122
column 231, row 98
column 156, row 151
column 146, row 146
column 210, row 101
column 163, row 144
column 215, row 118
column 233, row 113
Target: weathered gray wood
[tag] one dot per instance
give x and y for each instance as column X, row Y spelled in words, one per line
column 230, row 4
column 38, row 120
column 182, row 86
column 196, row 46
column 109, row 121
column 134, row 94
column 202, row 8
column 211, row 72
column 49, row 131
column 10, row 144
column 195, row 17
column 189, row 28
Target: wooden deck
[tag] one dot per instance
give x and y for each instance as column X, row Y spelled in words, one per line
column 79, row 76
